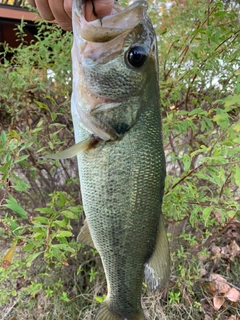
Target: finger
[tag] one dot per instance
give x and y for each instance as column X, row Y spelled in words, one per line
column 44, row 10
column 32, row 3
column 68, row 7
column 103, row 7
column 66, row 25
column 95, row 9
column 58, row 10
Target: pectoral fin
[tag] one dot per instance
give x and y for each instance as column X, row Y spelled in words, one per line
column 157, row 269
column 84, row 236
column 72, row 151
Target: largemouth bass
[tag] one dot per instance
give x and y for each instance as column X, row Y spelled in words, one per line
column 117, row 125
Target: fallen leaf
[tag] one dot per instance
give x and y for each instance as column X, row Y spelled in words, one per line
column 218, row 301
column 8, row 257
column 216, row 250
column 218, row 216
column 231, row 251
column 235, row 249
column 202, row 272
column 219, row 283
column 233, row 295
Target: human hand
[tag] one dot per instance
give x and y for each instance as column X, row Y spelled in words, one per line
column 61, row 10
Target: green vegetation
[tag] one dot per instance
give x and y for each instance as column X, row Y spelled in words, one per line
column 51, row 276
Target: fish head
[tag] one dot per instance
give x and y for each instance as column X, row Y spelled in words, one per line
column 116, row 67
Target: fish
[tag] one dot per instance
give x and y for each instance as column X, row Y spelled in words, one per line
column 116, row 115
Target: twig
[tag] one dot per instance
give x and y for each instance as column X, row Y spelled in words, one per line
column 198, row 167
column 225, row 183
column 184, row 177
column 10, row 310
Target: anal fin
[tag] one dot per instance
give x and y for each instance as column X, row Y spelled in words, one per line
column 157, row 269
column 84, row 236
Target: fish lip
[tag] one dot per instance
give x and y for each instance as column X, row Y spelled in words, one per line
column 108, row 27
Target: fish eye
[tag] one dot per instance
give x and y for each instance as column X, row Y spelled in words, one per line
column 136, row 56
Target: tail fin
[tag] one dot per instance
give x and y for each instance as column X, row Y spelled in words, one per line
column 105, row 313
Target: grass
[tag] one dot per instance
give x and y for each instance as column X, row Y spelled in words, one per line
column 67, row 292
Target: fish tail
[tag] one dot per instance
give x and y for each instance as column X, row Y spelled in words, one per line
column 105, row 313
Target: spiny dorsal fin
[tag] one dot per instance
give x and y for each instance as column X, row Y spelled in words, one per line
column 157, row 269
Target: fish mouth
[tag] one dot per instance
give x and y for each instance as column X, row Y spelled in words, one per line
column 120, row 20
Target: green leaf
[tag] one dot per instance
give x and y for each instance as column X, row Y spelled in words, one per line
column 32, row 257
column 69, row 214
column 20, row 185
column 60, row 223
column 53, row 116
column 63, row 247
column 41, row 220
column 100, row 299
column 236, row 126
column 13, row 205
column 186, row 162
column 77, row 209
column 42, row 105
column 21, row 158
column 222, row 120
column 45, row 210
column 13, row 225
column 29, row 247
column 63, row 233
column 206, row 214
column 62, row 200
column 3, row 137
column 231, row 100
column 237, row 175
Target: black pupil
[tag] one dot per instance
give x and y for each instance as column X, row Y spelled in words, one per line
column 137, row 56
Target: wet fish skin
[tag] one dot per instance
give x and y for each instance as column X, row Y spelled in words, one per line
column 122, row 176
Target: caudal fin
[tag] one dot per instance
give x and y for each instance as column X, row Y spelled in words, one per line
column 105, row 314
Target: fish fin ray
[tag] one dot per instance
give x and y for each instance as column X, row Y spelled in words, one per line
column 84, row 236
column 70, row 152
column 104, row 313
column 157, row 269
